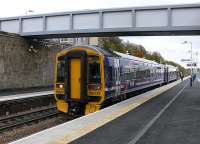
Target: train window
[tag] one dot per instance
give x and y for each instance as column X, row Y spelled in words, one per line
column 109, row 73
column 94, row 71
column 148, row 73
column 128, row 76
column 137, row 74
column 60, row 72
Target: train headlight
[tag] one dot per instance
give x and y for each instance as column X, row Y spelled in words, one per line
column 61, row 86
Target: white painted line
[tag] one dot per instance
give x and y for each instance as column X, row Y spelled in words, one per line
column 76, row 128
column 146, row 127
column 25, row 95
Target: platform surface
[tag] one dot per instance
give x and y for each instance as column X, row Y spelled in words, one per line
column 179, row 123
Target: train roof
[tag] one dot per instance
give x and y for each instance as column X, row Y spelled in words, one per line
column 171, row 66
column 110, row 53
column 136, row 58
column 103, row 51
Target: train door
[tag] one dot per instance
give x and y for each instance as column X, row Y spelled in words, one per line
column 165, row 75
column 76, row 80
column 117, row 77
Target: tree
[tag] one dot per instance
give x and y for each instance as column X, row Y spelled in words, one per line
column 155, row 56
column 113, row 43
column 139, row 51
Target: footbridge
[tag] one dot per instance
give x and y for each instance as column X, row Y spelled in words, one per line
column 150, row 20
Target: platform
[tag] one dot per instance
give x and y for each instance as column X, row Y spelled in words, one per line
column 11, row 96
column 8, row 92
column 120, row 123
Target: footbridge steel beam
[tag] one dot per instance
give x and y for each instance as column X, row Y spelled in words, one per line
column 150, row 20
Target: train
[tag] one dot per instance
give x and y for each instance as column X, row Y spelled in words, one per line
column 86, row 77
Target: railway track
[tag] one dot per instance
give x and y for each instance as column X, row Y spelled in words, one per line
column 17, row 120
column 10, row 106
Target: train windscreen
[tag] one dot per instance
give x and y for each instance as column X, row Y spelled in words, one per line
column 61, row 72
column 94, row 76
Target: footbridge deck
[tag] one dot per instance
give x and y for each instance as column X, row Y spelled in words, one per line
column 150, row 20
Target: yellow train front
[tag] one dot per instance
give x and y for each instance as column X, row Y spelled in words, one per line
column 79, row 80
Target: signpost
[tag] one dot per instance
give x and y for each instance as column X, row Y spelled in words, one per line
column 192, row 64
column 185, row 60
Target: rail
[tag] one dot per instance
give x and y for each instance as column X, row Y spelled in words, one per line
column 16, row 120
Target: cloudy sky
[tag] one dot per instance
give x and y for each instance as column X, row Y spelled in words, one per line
column 170, row 47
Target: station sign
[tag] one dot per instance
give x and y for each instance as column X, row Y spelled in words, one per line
column 185, row 60
column 194, row 64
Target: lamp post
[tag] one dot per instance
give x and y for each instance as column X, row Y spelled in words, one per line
column 191, row 74
column 197, row 55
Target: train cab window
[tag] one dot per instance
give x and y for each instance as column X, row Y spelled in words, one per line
column 61, row 72
column 94, row 70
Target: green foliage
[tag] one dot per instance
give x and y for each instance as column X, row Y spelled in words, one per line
column 113, row 43
column 136, row 50
column 155, row 56
column 116, row 44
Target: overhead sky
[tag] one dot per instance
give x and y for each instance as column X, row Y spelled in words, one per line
column 170, row 47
